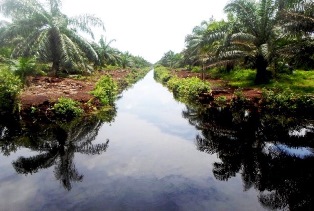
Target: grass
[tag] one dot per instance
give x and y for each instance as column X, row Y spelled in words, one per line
column 300, row 82
column 239, row 78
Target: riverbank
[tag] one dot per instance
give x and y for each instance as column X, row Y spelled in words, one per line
column 219, row 93
column 43, row 92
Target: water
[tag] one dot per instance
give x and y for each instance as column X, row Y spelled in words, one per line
column 154, row 154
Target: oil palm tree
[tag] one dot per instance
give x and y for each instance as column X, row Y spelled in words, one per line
column 107, row 55
column 254, row 34
column 126, row 60
column 44, row 31
column 297, row 21
column 205, row 44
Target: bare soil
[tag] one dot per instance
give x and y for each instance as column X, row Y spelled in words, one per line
column 44, row 91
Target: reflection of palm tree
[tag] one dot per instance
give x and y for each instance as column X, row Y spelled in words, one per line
column 239, row 142
column 60, row 143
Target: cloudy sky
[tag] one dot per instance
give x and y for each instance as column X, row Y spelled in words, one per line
column 148, row 28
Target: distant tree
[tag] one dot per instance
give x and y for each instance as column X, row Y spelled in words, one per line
column 171, row 59
column 126, row 60
column 42, row 30
column 107, row 55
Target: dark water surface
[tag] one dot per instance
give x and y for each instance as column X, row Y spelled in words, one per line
column 158, row 154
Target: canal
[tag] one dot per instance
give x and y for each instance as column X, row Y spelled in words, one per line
column 154, row 153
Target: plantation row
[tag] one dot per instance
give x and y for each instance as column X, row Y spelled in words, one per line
column 273, row 38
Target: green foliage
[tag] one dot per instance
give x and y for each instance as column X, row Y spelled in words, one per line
column 196, row 69
column 24, row 67
column 188, row 88
column 10, row 86
column 106, row 90
column 220, row 101
column 286, row 101
column 299, row 81
column 135, row 75
column 162, row 74
column 43, row 30
column 67, row 108
column 171, row 59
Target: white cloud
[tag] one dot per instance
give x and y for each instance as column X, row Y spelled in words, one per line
column 148, row 28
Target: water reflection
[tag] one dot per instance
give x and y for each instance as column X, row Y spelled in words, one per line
column 56, row 144
column 266, row 150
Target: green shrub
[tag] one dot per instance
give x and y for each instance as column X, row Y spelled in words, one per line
column 196, row 69
column 68, row 108
column 10, row 86
column 286, row 101
column 188, row 88
column 106, row 90
column 221, row 101
column 24, row 67
column 162, row 74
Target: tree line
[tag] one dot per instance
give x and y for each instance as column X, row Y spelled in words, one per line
column 271, row 36
column 39, row 30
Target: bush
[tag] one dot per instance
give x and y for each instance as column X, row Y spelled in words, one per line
column 162, row 74
column 188, row 88
column 10, row 86
column 24, row 67
column 67, row 108
column 106, row 90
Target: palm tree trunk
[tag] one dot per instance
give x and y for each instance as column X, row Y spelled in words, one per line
column 262, row 75
column 55, row 68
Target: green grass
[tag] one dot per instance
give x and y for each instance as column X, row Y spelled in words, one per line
column 300, row 82
column 237, row 78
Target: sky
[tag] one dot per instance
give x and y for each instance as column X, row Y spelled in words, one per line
column 148, row 28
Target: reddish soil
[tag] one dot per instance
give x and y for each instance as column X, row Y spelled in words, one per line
column 220, row 87
column 44, row 91
column 47, row 90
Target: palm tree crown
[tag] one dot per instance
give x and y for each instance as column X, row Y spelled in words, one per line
column 42, row 30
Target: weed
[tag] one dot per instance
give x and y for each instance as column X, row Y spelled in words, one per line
column 106, row 90
column 67, row 108
column 10, row 87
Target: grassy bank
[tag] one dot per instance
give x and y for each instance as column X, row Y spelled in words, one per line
column 287, row 94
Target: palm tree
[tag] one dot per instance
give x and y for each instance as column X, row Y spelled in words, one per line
column 254, row 34
column 126, row 60
column 44, row 31
column 206, row 42
column 171, row 59
column 298, row 24
column 107, row 55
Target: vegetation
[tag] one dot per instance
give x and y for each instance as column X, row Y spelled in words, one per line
column 10, row 87
column 42, row 30
column 171, row 59
column 188, row 89
column 67, row 108
column 269, row 37
column 105, row 90
column 38, row 39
